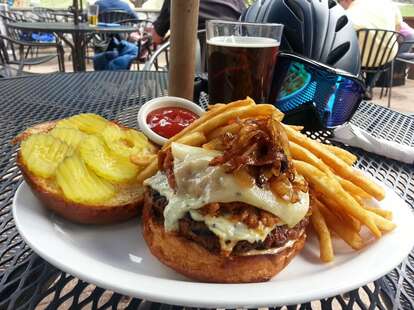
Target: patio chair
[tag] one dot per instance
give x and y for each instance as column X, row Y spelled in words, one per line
column 378, row 60
column 17, row 40
column 44, row 15
column 100, row 41
column 114, row 16
column 163, row 51
column 23, row 57
column 407, row 57
column 15, row 15
column 145, row 45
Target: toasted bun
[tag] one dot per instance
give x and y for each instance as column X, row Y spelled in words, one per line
column 124, row 205
column 195, row 262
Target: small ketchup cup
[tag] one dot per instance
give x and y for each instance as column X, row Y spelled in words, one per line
column 160, row 103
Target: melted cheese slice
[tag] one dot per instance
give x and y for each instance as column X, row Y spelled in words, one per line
column 199, row 184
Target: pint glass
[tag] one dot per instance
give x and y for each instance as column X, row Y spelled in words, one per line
column 241, row 60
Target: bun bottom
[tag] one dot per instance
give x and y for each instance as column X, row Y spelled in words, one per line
column 77, row 212
column 195, row 262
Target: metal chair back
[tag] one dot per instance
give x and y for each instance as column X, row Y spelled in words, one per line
column 163, row 51
column 44, row 15
column 114, row 16
column 4, row 56
column 6, row 71
column 11, row 32
column 378, row 48
column 16, row 16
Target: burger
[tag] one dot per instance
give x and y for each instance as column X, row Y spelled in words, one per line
column 232, row 211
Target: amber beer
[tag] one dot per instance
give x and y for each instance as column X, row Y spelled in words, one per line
column 93, row 12
column 239, row 67
column 93, row 20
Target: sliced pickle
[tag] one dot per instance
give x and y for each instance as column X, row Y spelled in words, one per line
column 105, row 164
column 87, row 122
column 42, row 153
column 71, row 136
column 81, row 185
column 126, row 142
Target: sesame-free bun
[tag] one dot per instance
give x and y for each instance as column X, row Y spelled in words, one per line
column 124, row 205
column 195, row 262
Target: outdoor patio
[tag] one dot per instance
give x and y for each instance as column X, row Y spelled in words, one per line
column 138, row 191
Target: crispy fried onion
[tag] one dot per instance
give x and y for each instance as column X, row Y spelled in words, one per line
column 241, row 212
column 260, row 152
column 166, row 164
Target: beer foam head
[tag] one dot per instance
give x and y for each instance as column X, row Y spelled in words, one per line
column 235, row 41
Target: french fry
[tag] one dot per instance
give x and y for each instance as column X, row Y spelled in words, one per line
column 209, row 115
column 331, row 188
column 337, row 164
column 324, row 236
column 381, row 212
column 214, row 144
column 333, row 206
column 148, row 172
column 233, row 128
column 296, row 127
column 143, row 160
column 352, row 238
column 353, row 189
column 193, row 139
column 300, row 153
column 223, row 118
column 382, row 223
column 346, row 156
column 215, row 106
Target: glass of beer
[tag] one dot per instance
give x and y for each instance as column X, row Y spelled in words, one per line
column 241, row 60
column 93, row 11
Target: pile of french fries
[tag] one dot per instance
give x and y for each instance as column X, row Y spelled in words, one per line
column 339, row 193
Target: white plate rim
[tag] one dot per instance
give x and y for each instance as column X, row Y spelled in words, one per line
column 154, row 290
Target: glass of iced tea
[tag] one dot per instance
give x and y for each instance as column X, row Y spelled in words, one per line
column 93, row 11
column 241, row 60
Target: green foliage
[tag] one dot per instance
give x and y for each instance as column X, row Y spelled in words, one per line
column 56, row 4
column 407, row 10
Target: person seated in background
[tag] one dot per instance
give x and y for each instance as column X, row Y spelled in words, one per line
column 405, row 48
column 119, row 56
column 115, row 5
column 374, row 14
column 209, row 9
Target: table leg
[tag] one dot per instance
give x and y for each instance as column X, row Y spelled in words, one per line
column 78, row 50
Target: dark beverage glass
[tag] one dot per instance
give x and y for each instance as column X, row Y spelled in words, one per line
column 241, row 60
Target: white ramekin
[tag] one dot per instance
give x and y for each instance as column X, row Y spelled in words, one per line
column 163, row 102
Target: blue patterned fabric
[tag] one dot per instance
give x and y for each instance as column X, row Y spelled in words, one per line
column 119, row 56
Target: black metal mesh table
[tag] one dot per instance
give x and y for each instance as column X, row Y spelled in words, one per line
column 27, row 281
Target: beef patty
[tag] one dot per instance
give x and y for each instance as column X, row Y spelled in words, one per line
column 199, row 232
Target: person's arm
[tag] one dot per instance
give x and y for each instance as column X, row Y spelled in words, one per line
column 162, row 24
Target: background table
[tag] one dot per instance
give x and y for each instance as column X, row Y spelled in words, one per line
column 26, row 280
column 78, row 32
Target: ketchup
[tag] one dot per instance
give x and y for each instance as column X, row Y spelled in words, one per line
column 167, row 122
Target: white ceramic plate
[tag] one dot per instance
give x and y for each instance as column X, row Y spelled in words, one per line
column 116, row 257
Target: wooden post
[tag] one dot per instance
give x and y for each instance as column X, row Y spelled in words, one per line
column 184, row 21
